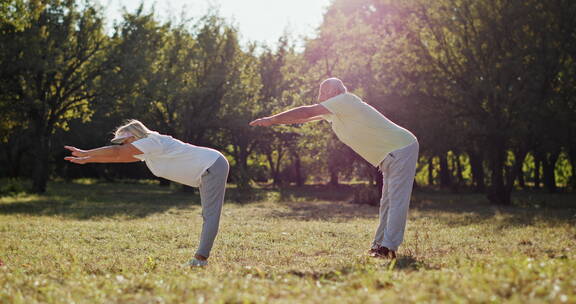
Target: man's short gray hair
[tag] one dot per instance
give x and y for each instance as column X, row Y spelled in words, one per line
column 332, row 87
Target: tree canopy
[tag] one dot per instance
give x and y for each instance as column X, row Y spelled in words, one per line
column 486, row 86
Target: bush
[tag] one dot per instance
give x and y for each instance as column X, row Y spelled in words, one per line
column 12, row 186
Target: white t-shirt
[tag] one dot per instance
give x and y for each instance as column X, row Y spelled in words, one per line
column 175, row 160
column 364, row 129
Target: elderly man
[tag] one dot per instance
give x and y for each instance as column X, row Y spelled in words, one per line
column 391, row 148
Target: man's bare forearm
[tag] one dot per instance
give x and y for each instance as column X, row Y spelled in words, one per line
column 308, row 119
column 296, row 115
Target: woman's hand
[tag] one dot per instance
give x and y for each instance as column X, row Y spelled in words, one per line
column 76, row 152
column 78, row 160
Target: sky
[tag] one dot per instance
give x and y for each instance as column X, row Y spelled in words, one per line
column 258, row 20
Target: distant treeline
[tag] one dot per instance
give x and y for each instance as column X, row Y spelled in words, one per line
column 488, row 87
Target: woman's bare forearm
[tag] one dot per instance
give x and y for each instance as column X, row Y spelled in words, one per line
column 108, row 154
column 104, row 159
column 104, row 152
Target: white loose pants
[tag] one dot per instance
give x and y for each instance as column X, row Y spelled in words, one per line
column 398, row 171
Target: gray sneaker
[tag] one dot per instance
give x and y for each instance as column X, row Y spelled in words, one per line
column 195, row 263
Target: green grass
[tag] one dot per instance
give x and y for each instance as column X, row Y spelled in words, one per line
column 124, row 243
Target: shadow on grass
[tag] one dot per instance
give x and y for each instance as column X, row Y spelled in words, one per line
column 136, row 200
column 335, row 275
column 307, row 203
column 456, row 210
column 326, row 211
column 403, row 263
column 80, row 201
column 292, row 194
column 408, row 262
column 452, row 210
column 321, row 203
column 308, row 193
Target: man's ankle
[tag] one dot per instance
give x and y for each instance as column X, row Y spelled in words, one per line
column 200, row 257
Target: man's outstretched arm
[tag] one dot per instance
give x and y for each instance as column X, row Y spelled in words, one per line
column 292, row 116
column 307, row 120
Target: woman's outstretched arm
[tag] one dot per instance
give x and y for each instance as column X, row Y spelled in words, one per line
column 108, row 154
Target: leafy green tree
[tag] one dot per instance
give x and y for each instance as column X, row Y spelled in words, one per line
column 240, row 106
column 501, row 67
column 55, row 61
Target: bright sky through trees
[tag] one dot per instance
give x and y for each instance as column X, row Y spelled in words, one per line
column 257, row 20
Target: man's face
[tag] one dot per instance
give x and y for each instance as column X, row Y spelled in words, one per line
column 129, row 140
column 322, row 94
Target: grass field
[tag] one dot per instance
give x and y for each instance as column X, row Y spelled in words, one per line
column 124, row 243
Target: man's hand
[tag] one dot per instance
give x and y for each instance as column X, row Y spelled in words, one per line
column 262, row 122
column 78, row 160
column 76, row 152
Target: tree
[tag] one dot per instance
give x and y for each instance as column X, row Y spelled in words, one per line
column 56, row 61
column 501, row 68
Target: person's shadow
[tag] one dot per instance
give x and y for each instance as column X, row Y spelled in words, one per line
column 408, row 262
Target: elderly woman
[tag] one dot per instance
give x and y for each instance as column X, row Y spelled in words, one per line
column 174, row 160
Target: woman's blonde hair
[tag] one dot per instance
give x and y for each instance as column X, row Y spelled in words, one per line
column 134, row 127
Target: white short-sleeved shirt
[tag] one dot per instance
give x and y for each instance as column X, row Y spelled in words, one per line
column 175, row 160
column 364, row 129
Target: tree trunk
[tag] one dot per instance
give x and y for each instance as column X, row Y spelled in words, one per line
column 298, row 170
column 278, row 178
column 40, row 172
column 444, row 171
column 457, row 173
column 537, row 162
column 274, row 168
column 549, row 171
column 498, row 193
column 379, row 181
column 572, row 158
column 240, row 171
column 477, row 166
column 243, row 173
column 372, row 174
column 520, row 174
column 333, row 176
column 431, row 171
column 516, row 171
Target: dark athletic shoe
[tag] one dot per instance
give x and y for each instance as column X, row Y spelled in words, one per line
column 382, row 252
